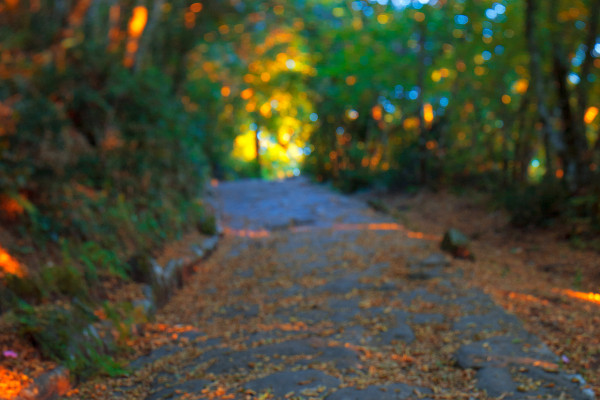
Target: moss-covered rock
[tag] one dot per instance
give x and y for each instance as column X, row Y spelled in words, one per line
column 456, row 243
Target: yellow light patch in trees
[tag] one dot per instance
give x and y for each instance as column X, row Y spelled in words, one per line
column 377, row 113
column 138, row 21
column 520, row 86
column 244, row 146
column 338, row 12
column 428, row 113
column 383, row 19
column 265, row 110
column 247, row 94
column 590, row 115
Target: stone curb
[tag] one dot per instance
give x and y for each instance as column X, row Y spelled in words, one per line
column 165, row 282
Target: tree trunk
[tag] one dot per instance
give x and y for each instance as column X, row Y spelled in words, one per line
column 537, row 82
column 573, row 135
column 146, row 38
column 422, row 141
column 257, row 149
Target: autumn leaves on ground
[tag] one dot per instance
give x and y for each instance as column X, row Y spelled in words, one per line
column 316, row 293
column 234, row 297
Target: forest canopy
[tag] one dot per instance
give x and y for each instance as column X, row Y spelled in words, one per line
column 123, row 104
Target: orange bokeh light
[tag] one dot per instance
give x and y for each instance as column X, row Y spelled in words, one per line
column 8, row 265
column 377, row 113
column 589, row 296
column 428, row 113
column 246, row 93
column 12, row 383
column 10, row 207
column 254, row 234
column 590, row 115
column 196, row 7
column 138, row 20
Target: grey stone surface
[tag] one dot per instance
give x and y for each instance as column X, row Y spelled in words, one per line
column 501, row 351
column 427, row 318
column 395, row 333
column 299, row 382
column 496, row 381
column 316, row 328
column 179, row 391
column 379, row 392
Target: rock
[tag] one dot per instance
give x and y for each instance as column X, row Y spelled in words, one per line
column 435, row 260
column 210, row 244
column 197, row 250
column 398, row 332
column 140, row 268
column 502, row 350
column 456, row 243
column 309, row 383
column 495, row 381
column 52, row 384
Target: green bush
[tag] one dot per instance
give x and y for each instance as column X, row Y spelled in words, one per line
column 60, row 334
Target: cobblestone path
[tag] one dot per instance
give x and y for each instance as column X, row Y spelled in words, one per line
column 312, row 295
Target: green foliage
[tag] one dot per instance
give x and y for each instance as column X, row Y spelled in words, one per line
column 63, row 333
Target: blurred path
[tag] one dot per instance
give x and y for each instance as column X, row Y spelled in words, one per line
column 312, row 295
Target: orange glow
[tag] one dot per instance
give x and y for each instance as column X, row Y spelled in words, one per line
column 12, row 383
column 404, row 358
column 265, row 110
column 526, row 297
column 590, row 296
column 214, row 182
column 246, row 93
column 431, row 144
column 560, row 173
column 254, row 234
column 189, row 19
column 218, row 393
column 377, row 113
column 132, row 46
column 9, row 265
column 10, row 207
column 386, row 226
column 196, row 7
column 590, row 115
column 225, row 91
column 138, row 20
column 11, row 4
column 265, row 77
column 520, row 86
column 506, row 99
column 428, row 113
column 411, row 123
column 286, row 326
column 351, row 80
